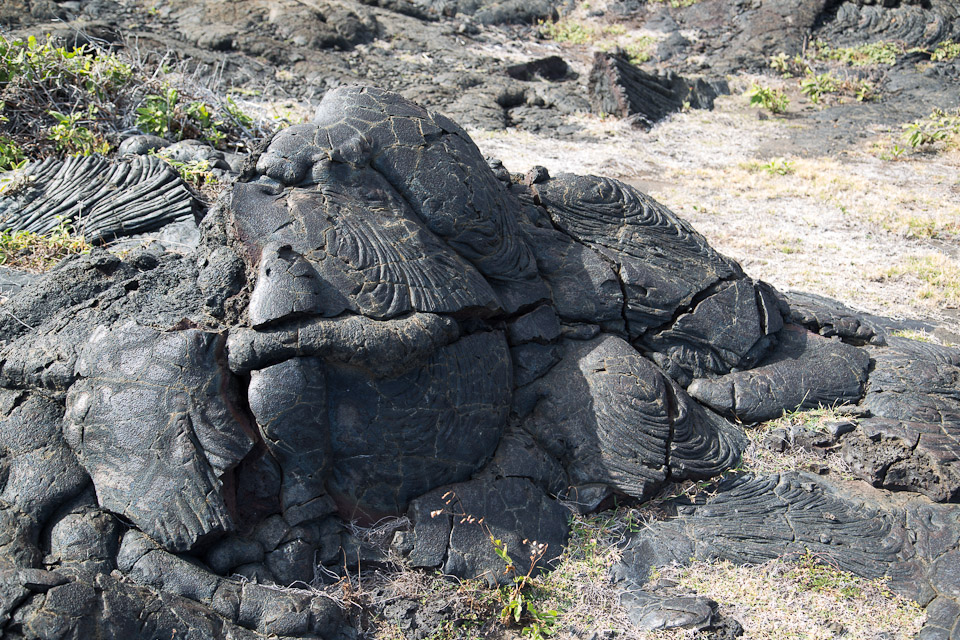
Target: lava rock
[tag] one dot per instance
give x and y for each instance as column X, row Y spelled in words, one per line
column 102, row 199
column 619, row 88
column 804, row 371
column 152, row 422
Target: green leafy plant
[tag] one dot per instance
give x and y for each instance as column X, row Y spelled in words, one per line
column 567, row 30
column 196, row 173
column 157, row 113
column 166, row 115
column 774, row 100
column 35, row 61
column 946, row 50
column 939, row 126
column 11, row 155
column 778, row 166
column 895, row 152
column 517, row 604
column 43, row 81
column 36, row 252
column 71, row 137
column 781, row 63
column 814, row 86
column 638, row 50
column 874, row 53
column 789, row 67
column 864, row 91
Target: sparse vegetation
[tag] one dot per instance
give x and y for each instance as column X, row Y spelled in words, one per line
column 568, row 30
column 939, row 126
column 165, row 115
column 11, row 155
column 893, row 152
column 197, row 173
column 778, row 166
column 677, row 4
column 35, row 252
column 56, row 100
column 759, row 458
column 775, row 166
column 816, row 84
column 937, row 275
column 874, row 53
column 773, row 100
column 946, row 50
column 637, row 48
column 72, row 136
column 919, row 336
column 801, row 596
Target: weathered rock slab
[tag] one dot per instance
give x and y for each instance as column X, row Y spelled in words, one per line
column 152, row 420
column 101, row 199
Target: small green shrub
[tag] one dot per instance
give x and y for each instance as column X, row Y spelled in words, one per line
column 638, row 50
column 773, row 100
column 873, row 53
column 567, row 30
column 677, row 4
column 864, row 91
column 895, row 152
column 939, row 126
column 59, row 100
column 157, row 113
column 35, row 252
column 778, row 166
column 789, row 67
column 11, row 155
column 946, row 50
column 71, row 137
column 814, row 86
column 57, row 67
column 165, row 115
column 910, row 334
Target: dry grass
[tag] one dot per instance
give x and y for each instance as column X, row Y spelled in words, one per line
column 799, row 597
column 934, row 277
column 760, row 459
column 792, row 597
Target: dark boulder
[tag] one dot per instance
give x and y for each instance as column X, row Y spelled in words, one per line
column 804, row 371
column 911, row 441
column 620, row 88
column 549, row 68
column 459, row 528
column 610, row 417
column 153, row 421
column 693, row 308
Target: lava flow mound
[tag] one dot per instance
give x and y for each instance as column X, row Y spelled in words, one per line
column 379, row 323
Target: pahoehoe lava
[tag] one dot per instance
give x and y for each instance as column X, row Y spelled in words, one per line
column 374, row 320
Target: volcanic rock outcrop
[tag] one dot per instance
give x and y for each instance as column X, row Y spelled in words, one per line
column 377, row 324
